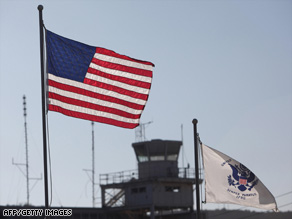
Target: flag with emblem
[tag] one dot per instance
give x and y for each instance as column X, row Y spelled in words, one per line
column 95, row 83
column 229, row 181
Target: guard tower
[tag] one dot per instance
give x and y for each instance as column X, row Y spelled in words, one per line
column 158, row 185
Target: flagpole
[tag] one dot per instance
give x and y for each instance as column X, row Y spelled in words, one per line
column 40, row 8
column 198, row 216
column 93, row 169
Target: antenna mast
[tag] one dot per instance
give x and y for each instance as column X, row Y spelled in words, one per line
column 182, row 140
column 93, row 169
column 26, row 149
column 140, row 134
column 26, row 154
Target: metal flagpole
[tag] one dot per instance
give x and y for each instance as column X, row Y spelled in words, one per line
column 195, row 121
column 93, row 170
column 40, row 8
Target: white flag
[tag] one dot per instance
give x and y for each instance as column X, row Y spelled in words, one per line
column 229, row 181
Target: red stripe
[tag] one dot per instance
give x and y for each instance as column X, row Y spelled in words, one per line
column 92, row 118
column 93, row 106
column 113, row 54
column 123, row 68
column 120, row 79
column 94, row 95
column 116, row 89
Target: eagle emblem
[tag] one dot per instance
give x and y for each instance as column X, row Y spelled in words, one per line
column 242, row 178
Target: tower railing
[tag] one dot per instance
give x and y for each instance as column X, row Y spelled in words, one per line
column 131, row 175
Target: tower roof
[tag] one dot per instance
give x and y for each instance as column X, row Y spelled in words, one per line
column 157, row 150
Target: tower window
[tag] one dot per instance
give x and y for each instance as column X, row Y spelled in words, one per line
column 138, row 190
column 172, row 188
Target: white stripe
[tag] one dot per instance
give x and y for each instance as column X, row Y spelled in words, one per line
column 91, row 111
column 94, row 100
column 95, row 89
column 117, row 84
column 122, row 62
column 121, row 73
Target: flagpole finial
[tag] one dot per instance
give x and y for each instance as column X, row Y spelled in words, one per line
column 40, row 7
column 195, row 121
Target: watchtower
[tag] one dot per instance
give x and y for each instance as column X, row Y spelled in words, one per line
column 158, row 185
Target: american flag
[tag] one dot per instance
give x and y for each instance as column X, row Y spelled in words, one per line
column 94, row 83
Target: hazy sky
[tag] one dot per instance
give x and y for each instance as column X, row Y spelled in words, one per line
column 226, row 63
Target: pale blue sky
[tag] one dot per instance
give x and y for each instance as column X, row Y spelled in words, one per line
column 226, row 63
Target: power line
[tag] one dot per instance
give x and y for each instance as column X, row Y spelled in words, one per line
column 228, row 212
column 263, row 212
column 287, row 193
column 285, row 205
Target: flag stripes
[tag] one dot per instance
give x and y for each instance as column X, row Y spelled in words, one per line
column 112, row 57
column 116, row 83
column 102, row 118
column 81, row 106
column 114, row 90
column 92, row 91
column 96, row 69
column 69, row 97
